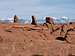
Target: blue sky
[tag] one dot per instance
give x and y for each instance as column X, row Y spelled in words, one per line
column 39, row 8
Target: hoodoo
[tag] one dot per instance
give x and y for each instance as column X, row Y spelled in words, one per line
column 16, row 19
column 33, row 20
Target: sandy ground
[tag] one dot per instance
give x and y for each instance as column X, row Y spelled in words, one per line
column 25, row 41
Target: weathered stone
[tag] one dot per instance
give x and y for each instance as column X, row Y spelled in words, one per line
column 49, row 19
column 33, row 21
column 16, row 19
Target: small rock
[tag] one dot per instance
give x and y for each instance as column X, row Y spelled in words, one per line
column 31, row 40
column 71, row 55
column 37, row 55
column 1, row 39
column 8, row 30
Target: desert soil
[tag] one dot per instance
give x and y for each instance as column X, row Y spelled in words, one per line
column 19, row 41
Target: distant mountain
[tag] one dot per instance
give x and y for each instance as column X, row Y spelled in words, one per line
column 5, row 21
column 40, row 21
column 21, row 20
